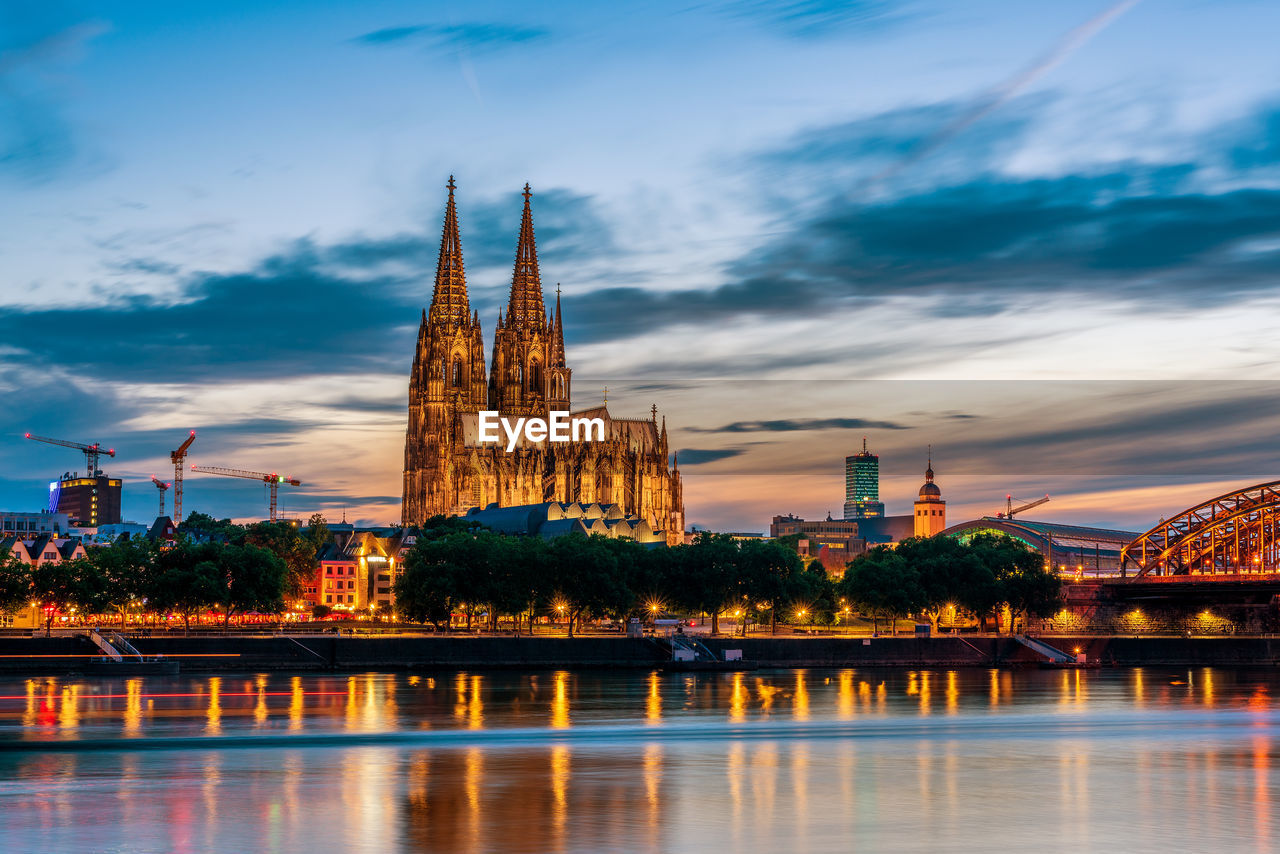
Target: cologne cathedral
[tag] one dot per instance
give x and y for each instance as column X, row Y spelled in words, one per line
column 448, row 471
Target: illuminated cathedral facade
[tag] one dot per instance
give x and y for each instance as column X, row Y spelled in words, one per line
column 447, row 470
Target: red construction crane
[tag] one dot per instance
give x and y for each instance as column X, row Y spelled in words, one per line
column 272, row 480
column 90, row 452
column 177, row 457
column 162, row 486
column 1010, row 509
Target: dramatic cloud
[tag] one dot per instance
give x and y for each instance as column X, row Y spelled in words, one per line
column 698, row 456
column 290, row 313
column 287, row 317
column 793, row 425
column 969, row 240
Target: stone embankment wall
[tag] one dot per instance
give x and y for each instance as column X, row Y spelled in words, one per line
column 35, row 656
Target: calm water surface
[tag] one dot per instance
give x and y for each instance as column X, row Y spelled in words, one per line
column 1152, row 759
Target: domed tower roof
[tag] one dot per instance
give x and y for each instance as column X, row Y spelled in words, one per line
column 930, row 491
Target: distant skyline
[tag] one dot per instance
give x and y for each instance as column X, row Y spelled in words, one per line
column 1042, row 238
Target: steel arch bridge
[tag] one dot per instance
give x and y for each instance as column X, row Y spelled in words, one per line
column 1234, row 534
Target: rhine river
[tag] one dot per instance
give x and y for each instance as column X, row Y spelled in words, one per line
column 1152, row 759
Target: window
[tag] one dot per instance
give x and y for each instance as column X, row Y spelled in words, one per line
column 328, row 570
column 350, row 599
column 328, row 600
column 457, row 373
column 351, row 584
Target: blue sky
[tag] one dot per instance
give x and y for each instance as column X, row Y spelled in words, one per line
column 1049, row 252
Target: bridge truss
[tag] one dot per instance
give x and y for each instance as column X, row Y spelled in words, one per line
column 1234, row 534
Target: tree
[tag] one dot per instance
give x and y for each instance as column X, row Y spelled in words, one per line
column 882, row 584
column 296, row 551
column 202, row 526
column 643, row 573
column 15, row 584
column 126, row 568
column 774, row 574
column 255, row 580
column 710, row 577
column 949, row 572
column 1022, row 581
column 520, row 576
column 428, row 587
column 188, row 579
column 812, row 591
column 584, row 573
column 67, row 584
column 317, row 531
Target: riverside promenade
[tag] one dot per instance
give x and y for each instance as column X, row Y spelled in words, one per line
column 233, row 652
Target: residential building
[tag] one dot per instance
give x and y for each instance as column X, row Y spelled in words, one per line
column 38, row 551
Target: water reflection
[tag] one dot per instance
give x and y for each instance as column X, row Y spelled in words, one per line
column 845, row 695
column 1129, row 759
column 560, row 700
column 213, row 714
column 133, row 707
column 738, row 700
column 653, row 705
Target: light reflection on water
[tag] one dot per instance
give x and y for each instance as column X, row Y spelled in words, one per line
column 1158, row 759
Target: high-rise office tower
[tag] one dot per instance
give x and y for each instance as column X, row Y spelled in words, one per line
column 862, row 485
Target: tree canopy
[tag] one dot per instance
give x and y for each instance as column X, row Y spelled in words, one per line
column 925, row 575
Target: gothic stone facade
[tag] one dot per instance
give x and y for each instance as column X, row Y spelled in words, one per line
column 447, row 471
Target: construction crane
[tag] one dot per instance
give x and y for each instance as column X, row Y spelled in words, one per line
column 1009, row 510
column 90, row 452
column 162, row 486
column 272, row 480
column 177, row 458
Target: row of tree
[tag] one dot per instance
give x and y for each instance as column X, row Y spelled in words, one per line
column 213, row 565
column 981, row 578
column 456, row 568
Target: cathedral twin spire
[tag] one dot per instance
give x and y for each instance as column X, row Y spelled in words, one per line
column 527, row 376
column 529, row 369
column 525, row 307
column 449, row 300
